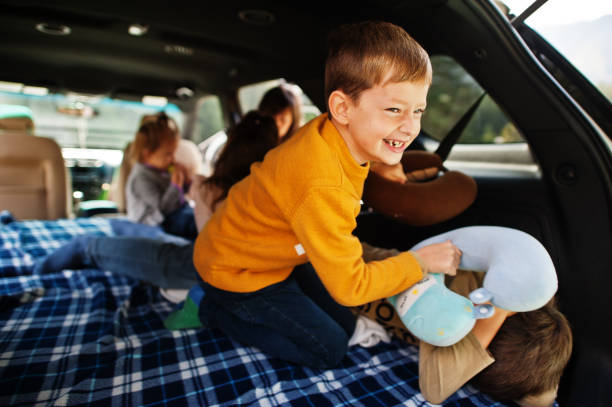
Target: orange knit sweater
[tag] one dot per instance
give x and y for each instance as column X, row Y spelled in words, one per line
column 299, row 205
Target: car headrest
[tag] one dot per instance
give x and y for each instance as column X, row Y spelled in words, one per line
column 16, row 119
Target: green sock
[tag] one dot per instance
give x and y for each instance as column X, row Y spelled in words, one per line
column 185, row 317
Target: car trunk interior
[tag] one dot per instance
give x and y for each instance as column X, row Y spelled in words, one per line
column 215, row 48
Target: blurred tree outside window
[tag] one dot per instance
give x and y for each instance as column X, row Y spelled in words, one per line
column 452, row 93
column 580, row 30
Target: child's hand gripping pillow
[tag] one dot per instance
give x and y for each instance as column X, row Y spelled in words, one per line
column 520, row 276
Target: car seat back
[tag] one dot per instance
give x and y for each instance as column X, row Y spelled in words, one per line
column 33, row 183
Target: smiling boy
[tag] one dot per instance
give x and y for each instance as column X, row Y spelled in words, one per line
column 278, row 258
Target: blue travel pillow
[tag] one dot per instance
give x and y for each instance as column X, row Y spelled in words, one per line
column 520, row 276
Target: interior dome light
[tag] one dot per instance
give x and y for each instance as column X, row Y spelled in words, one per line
column 256, row 17
column 53, row 29
column 138, row 30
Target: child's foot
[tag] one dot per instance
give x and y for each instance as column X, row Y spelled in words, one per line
column 72, row 255
column 187, row 314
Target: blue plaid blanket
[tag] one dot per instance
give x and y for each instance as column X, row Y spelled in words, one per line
column 89, row 337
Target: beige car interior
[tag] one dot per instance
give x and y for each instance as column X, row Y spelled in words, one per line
column 33, row 177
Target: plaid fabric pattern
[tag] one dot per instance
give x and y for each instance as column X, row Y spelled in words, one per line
column 92, row 338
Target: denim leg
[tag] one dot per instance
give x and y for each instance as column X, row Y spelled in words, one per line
column 181, row 222
column 124, row 227
column 281, row 321
column 166, row 265
column 71, row 255
column 308, row 280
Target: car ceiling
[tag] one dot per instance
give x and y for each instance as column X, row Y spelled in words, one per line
column 206, row 47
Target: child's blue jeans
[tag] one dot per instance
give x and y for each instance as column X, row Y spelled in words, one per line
column 181, row 222
column 165, row 261
column 295, row 320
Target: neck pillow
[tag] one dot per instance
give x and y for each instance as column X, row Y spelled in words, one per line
column 420, row 203
column 520, row 276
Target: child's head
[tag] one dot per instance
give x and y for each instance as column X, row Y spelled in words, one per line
column 282, row 104
column 531, row 350
column 247, row 143
column 376, row 83
column 156, row 141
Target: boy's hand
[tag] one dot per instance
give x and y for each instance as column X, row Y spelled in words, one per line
column 196, row 184
column 186, row 174
column 422, row 175
column 391, row 172
column 440, row 257
column 178, row 176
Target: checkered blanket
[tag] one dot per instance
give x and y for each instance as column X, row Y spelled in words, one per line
column 89, row 337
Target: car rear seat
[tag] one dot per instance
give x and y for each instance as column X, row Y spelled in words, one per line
column 33, row 179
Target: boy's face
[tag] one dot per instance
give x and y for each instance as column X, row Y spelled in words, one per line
column 385, row 119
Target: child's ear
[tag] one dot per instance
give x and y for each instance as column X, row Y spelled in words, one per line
column 339, row 104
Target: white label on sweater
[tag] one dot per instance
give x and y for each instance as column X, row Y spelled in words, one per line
column 406, row 299
column 299, row 249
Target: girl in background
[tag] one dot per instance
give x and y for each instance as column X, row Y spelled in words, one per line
column 284, row 106
column 156, row 184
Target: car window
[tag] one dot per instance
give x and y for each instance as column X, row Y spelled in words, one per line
column 452, row 94
column 250, row 95
column 490, row 142
column 580, row 31
column 86, row 121
column 209, row 118
column 91, row 130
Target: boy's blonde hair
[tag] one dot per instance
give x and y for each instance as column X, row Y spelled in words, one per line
column 366, row 54
column 154, row 131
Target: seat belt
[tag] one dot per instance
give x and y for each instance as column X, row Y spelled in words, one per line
column 453, row 135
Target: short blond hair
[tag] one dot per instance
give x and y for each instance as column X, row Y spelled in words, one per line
column 363, row 55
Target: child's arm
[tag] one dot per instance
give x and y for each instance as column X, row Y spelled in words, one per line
column 440, row 257
column 173, row 197
column 443, row 370
column 323, row 223
column 203, row 196
column 485, row 329
column 142, row 199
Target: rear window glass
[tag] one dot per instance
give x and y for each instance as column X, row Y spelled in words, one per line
column 452, row 94
column 93, row 122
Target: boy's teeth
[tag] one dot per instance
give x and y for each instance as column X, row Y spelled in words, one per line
column 394, row 143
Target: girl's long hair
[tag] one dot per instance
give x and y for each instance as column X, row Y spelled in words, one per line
column 276, row 100
column 247, row 143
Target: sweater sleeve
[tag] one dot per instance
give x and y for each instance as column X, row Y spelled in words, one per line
column 323, row 224
column 443, row 370
column 145, row 202
column 172, row 199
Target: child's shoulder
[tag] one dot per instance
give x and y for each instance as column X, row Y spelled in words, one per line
column 307, row 156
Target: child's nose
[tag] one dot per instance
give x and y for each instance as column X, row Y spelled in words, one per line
column 411, row 127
